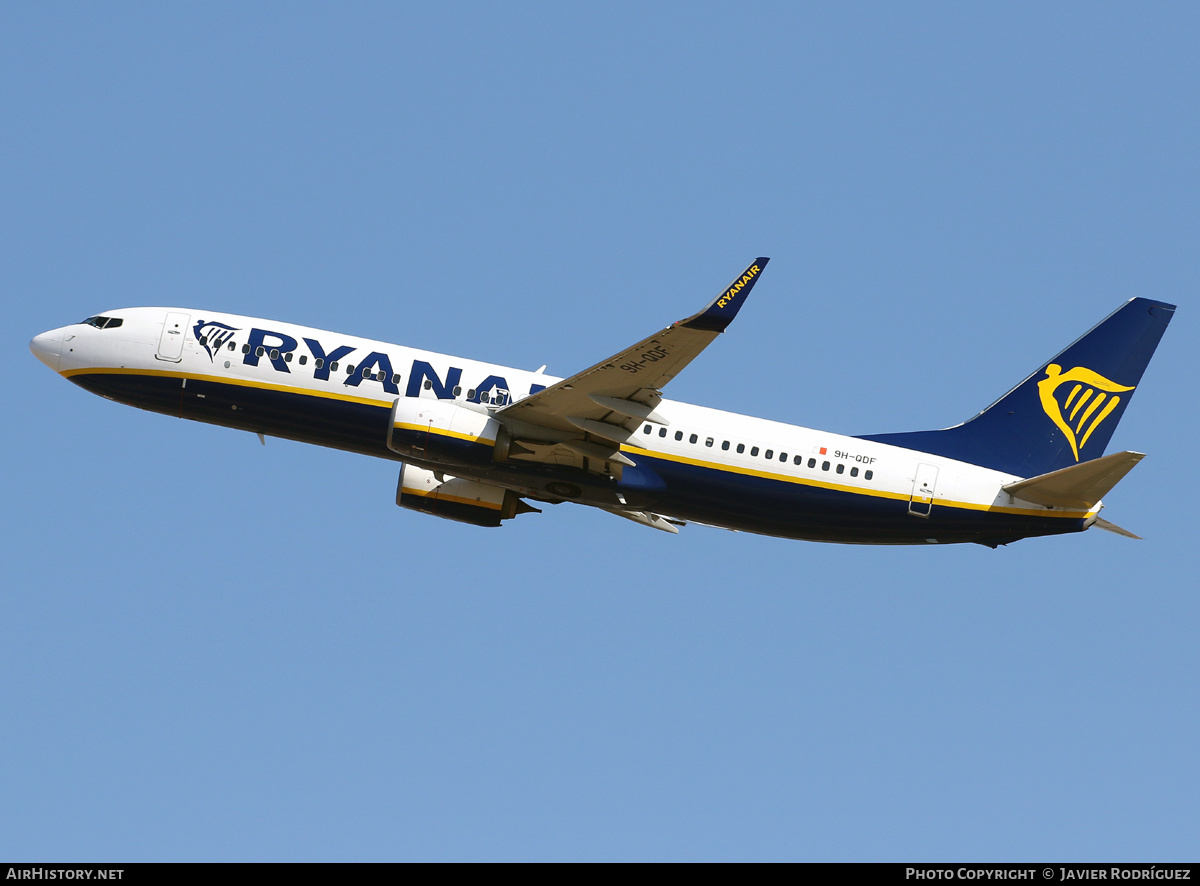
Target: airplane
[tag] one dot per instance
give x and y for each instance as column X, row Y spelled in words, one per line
column 481, row 443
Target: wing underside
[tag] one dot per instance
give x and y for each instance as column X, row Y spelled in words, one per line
column 584, row 419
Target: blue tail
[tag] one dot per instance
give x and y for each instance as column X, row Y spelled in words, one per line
column 1067, row 410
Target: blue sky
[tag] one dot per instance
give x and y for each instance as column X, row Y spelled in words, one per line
column 216, row 650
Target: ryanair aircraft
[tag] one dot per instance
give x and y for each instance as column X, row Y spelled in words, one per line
column 478, row 442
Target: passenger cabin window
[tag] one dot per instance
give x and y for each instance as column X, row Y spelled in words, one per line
column 725, row 445
column 799, row 459
column 259, row 351
column 287, row 358
column 349, row 369
column 854, row 472
column 457, row 390
column 693, row 438
column 841, row 468
column 812, row 462
column 679, row 435
column 429, row 386
column 333, row 366
column 232, row 345
column 770, row 453
column 395, row 378
column 708, row 442
column 824, row 466
column 318, row 362
column 741, row 447
column 754, row 450
column 246, row 349
column 662, row 432
column 647, row 429
column 868, row 474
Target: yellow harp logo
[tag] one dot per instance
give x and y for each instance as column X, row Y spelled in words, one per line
column 1091, row 399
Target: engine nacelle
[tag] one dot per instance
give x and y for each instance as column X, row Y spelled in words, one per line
column 466, row 501
column 444, row 432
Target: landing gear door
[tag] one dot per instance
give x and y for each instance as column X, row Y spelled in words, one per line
column 924, row 485
column 170, row 343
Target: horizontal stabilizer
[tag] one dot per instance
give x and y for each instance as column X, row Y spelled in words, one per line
column 1078, row 486
column 1113, row 527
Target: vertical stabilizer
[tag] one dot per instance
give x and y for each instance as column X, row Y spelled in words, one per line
column 1066, row 411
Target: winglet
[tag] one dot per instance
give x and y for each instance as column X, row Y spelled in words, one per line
column 722, row 309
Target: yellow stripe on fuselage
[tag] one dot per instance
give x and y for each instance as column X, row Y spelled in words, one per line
column 635, row 450
column 854, row 490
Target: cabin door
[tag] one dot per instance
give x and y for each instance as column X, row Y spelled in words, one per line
column 170, row 343
column 924, row 485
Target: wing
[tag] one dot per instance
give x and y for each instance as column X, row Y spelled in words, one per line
column 623, row 390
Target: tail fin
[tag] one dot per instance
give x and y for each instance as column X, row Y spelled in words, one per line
column 1066, row 411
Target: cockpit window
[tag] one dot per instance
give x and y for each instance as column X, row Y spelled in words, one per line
column 104, row 322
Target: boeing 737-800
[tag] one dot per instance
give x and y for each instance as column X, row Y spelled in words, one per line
column 478, row 442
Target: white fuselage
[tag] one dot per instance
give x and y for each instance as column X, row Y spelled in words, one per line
column 293, row 381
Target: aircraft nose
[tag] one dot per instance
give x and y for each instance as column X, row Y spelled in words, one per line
column 47, row 347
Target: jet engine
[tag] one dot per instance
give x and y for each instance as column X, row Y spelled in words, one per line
column 454, row 498
column 445, row 432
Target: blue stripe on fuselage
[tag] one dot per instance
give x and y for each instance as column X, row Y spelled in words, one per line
column 702, row 493
column 807, row 511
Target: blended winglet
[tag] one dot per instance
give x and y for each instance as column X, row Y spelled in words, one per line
column 721, row 310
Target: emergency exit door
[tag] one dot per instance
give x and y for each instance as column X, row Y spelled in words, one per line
column 170, row 343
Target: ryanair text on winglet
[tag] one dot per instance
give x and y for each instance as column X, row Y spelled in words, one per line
column 733, row 290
